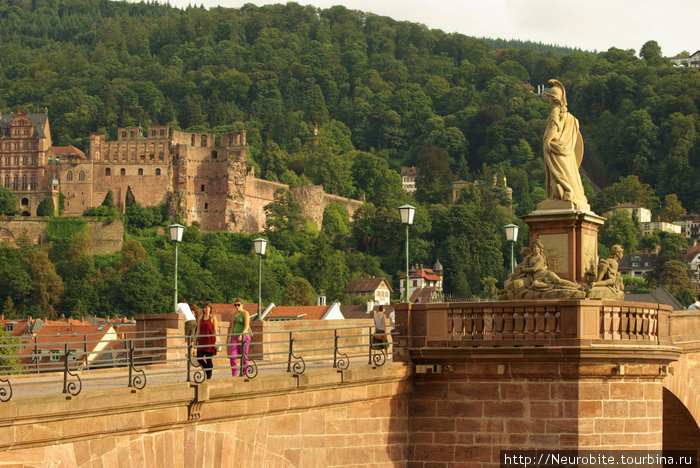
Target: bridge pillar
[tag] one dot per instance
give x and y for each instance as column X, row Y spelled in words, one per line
column 528, row 375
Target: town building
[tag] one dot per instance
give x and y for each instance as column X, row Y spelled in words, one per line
column 637, row 264
column 425, row 283
column 376, row 290
column 650, row 227
column 408, row 178
column 692, row 226
column 203, row 177
column 638, row 212
column 692, row 60
column 278, row 313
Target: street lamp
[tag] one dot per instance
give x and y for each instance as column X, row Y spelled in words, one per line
column 260, row 245
column 512, row 236
column 176, row 231
column 407, row 212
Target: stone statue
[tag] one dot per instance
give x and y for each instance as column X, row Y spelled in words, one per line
column 515, row 284
column 563, row 151
column 533, row 280
column 608, row 283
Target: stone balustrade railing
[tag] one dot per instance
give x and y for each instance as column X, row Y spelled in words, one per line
column 533, row 323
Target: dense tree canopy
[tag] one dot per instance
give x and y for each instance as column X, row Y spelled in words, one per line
column 343, row 99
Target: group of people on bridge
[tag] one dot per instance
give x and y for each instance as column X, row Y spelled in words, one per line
column 204, row 330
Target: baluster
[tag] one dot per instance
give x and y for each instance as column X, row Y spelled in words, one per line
column 557, row 324
column 464, row 324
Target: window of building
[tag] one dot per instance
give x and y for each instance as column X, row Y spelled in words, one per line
column 7, row 181
column 69, row 176
column 153, row 133
column 635, row 264
column 192, row 140
column 206, row 206
column 123, row 134
column 158, row 171
column 24, row 160
column 55, row 356
column 131, row 134
column 34, row 160
column 202, row 188
column 214, row 154
column 140, row 171
column 203, row 141
column 9, row 327
column 24, row 182
column 162, row 132
column 647, row 264
column 108, row 171
column 15, row 183
column 32, row 185
column 81, row 175
column 24, row 201
column 122, row 171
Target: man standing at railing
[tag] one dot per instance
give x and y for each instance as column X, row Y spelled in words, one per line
column 190, row 320
column 695, row 305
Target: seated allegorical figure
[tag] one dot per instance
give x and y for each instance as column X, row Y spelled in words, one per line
column 540, row 282
column 608, row 283
column 515, row 284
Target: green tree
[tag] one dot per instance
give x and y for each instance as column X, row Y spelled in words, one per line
column 285, row 226
column 46, row 207
column 47, row 286
column 298, row 292
column 619, row 229
column 434, row 180
column 673, row 209
column 8, row 202
column 674, row 275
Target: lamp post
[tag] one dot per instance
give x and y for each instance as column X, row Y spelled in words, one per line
column 260, row 245
column 407, row 212
column 176, row 231
column 512, row 236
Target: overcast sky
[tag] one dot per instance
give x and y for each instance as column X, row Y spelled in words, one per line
column 587, row 24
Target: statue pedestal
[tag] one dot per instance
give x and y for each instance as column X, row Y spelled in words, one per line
column 570, row 238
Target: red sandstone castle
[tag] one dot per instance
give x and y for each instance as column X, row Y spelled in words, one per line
column 204, row 180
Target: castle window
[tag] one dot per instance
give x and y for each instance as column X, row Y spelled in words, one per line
column 108, row 171
column 69, row 175
column 131, row 134
column 206, row 206
column 81, row 175
column 34, row 160
column 140, row 171
column 214, row 154
column 7, row 181
column 15, row 183
column 24, row 202
column 162, row 132
column 24, row 182
column 203, row 141
column 151, row 156
column 143, row 157
column 202, row 188
column 192, row 140
column 33, row 183
column 158, row 171
column 123, row 134
column 153, row 133
column 160, row 156
column 122, row 171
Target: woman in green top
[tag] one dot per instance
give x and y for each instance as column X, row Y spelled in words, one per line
column 239, row 341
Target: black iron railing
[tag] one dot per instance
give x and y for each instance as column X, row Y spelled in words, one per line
column 34, row 365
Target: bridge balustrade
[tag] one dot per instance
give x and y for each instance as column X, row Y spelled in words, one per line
column 31, row 366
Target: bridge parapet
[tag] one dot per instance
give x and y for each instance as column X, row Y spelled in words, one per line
column 534, row 323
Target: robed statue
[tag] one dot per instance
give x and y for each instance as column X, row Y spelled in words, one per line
column 563, row 151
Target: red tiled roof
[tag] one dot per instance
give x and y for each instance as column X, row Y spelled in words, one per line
column 426, row 273
column 69, row 150
column 360, row 285
column 692, row 252
column 305, row 312
column 225, row 311
column 422, row 294
column 409, row 171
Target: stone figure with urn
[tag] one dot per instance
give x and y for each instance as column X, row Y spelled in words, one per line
column 562, row 261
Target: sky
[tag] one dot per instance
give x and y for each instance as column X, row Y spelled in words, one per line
column 594, row 25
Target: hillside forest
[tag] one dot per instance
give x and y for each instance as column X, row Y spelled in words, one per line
column 383, row 94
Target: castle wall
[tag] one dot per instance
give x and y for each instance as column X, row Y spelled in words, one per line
column 105, row 238
column 258, row 194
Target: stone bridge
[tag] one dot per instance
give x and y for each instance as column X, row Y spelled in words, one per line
column 469, row 380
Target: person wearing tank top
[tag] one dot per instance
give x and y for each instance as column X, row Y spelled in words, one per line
column 239, row 341
column 206, row 339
